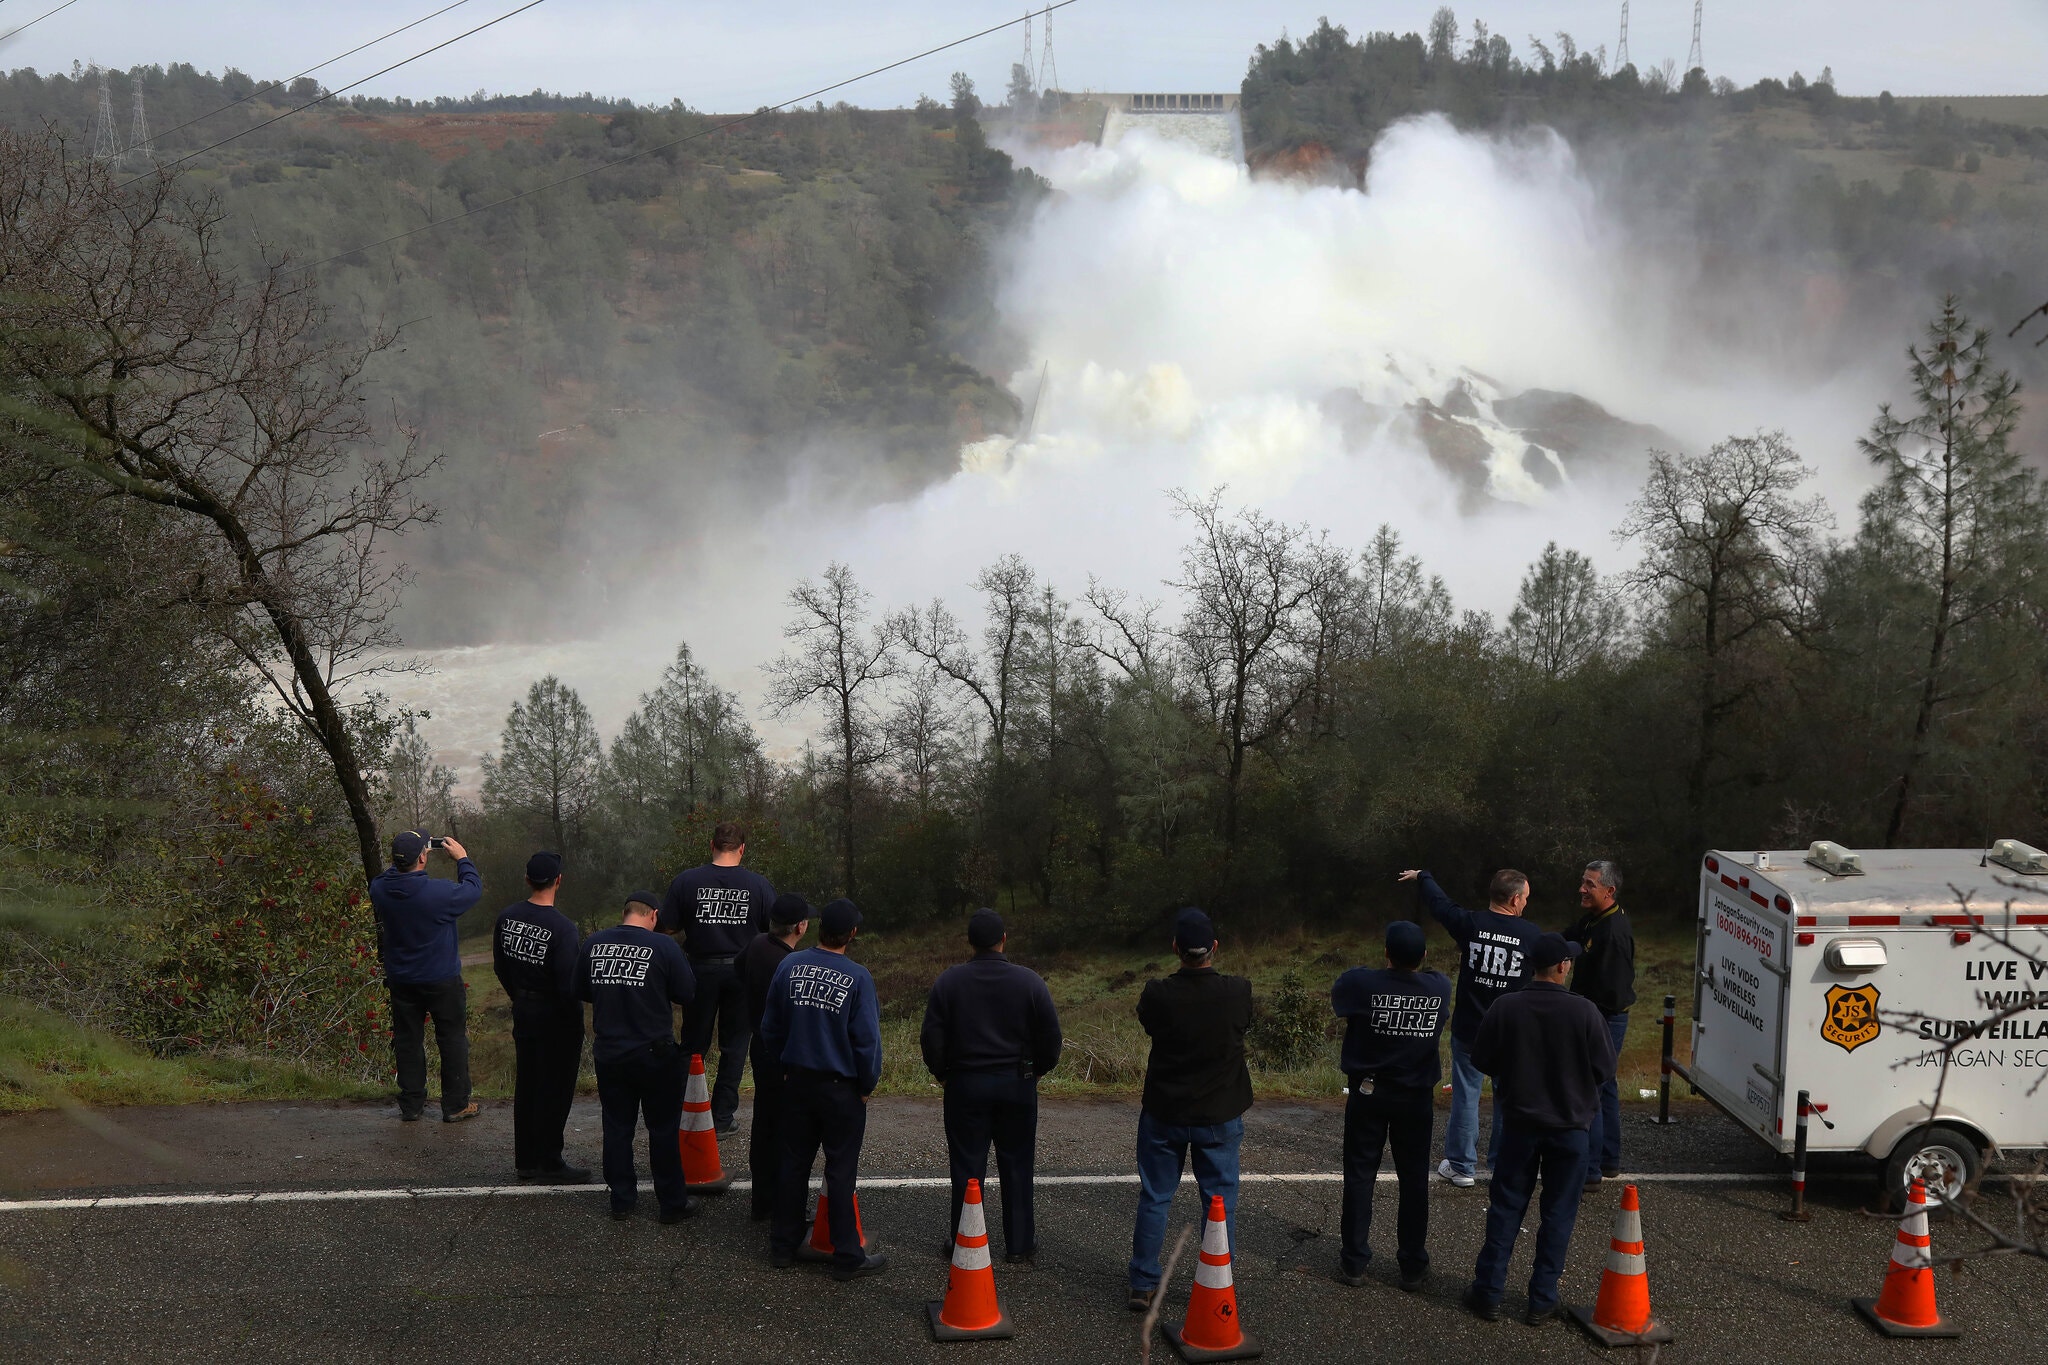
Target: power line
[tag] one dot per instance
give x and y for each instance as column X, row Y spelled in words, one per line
column 37, row 20
column 279, row 85
column 762, row 112
column 328, row 95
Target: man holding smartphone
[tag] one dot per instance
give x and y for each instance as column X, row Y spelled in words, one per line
column 416, row 917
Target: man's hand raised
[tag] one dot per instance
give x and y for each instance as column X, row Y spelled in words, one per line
column 1410, row 875
column 453, row 849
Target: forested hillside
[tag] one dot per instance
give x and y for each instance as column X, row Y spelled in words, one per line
column 1785, row 188
column 661, row 334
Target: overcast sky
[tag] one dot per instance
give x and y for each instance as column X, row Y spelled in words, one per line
column 732, row 55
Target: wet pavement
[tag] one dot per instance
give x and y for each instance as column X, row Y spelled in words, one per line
column 547, row 1274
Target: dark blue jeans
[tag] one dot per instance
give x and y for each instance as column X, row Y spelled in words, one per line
column 984, row 1108
column 1163, row 1150
column 1558, row 1155
column 1603, row 1142
column 644, row 1084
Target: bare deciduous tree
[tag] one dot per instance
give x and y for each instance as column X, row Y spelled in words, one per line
column 838, row 660
column 1247, row 579
column 138, row 356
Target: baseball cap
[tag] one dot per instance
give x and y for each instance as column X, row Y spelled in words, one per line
column 1405, row 941
column 1552, row 949
column 839, row 918
column 543, row 867
column 984, row 928
column 407, row 845
column 646, row 898
column 1192, row 931
column 789, row 908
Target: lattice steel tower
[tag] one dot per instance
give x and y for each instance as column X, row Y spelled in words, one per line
column 138, row 132
column 1621, row 48
column 1046, row 61
column 106, row 144
column 1693, row 60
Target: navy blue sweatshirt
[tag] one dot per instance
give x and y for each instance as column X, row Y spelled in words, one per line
column 1549, row 1052
column 718, row 910
column 822, row 1014
column 1393, row 1021
column 534, row 951
column 1495, row 959
column 989, row 1014
column 416, row 917
column 631, row 976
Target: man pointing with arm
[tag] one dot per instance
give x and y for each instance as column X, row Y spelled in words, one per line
column 1493, row 960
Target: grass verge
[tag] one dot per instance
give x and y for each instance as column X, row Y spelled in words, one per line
column 47, row 1060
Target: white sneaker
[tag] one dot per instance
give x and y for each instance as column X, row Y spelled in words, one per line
column 1444, row 1172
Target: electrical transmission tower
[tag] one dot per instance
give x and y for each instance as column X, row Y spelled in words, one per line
column 1030, row 62
column 1046, row 61
column 106, row 144
column 1693, row 60
column 138, row 132
column 1621, row 48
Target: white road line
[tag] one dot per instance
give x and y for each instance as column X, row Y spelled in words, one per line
column 924, row 1182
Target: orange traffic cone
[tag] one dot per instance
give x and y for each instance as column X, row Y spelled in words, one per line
column 698, row 1139
column 1211, row 1330
column 970, row 1311
column 1905, row 1306
column 1621, row 1316
column 819, row 1248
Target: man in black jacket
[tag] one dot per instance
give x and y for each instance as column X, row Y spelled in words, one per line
column 534, row 952
column 990, row 1031
column 1197, row 1088
column 717, row 909
column 1605, row 975
column 1548, row 1052
column 1394, row 1019
column 787, row 923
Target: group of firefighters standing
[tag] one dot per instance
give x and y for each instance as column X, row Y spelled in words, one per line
column 722, row 945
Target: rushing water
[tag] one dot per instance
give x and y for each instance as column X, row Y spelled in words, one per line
column 1467, row 348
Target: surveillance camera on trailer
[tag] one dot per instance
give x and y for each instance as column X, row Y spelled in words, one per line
column 1856, row 976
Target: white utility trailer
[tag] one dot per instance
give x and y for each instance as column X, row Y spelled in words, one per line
column 1847, row 975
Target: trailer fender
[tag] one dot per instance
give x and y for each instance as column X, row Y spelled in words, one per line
column 1888, row 1134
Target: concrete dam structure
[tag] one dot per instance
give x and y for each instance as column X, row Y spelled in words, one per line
column 1207, row 121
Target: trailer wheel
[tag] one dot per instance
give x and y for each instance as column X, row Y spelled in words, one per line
column 1945, row 1159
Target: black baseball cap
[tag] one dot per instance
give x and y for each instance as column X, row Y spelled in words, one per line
column 407, row 845
column 1405, row 942
column 1192, row 931
column 839, row 918
column 646, row 898
column 984, row 928
column 543, row 867
column 789, row 908
column 1552, row 949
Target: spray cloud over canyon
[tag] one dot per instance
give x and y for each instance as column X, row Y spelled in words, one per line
column 1470, row 347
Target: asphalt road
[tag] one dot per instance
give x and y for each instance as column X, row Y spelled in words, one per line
column 549, row 1276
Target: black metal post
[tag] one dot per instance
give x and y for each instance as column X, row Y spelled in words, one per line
column 1664, row 1069
column 1797, row 1213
